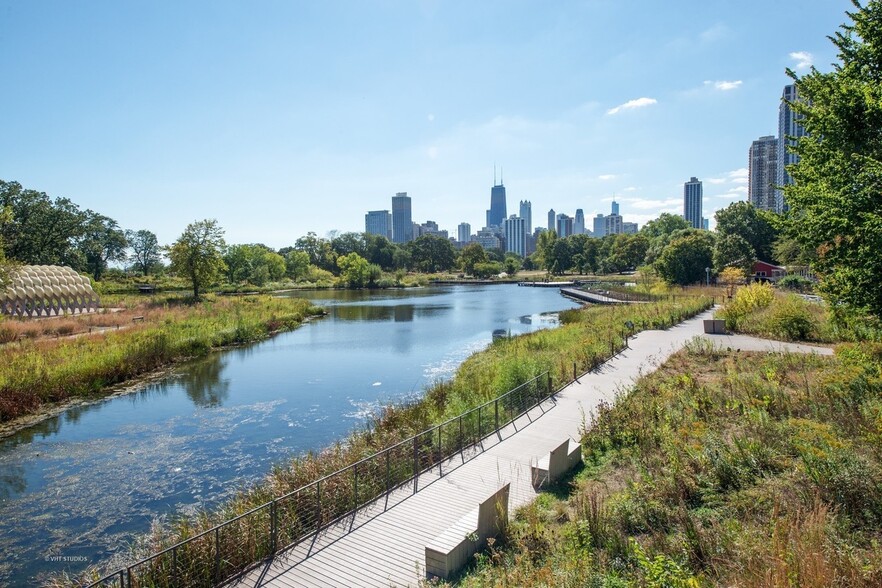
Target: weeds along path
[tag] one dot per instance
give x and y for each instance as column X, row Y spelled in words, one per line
column 383, row 544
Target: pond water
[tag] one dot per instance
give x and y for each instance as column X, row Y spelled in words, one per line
column 77, row 488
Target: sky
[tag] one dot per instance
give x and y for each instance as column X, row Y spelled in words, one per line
column 282, row 117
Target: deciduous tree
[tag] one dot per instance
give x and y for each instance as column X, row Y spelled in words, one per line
column 198, row 254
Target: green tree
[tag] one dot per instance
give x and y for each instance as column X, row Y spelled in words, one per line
column 198, row 254
column 296, row 264
column 512, row 264
column 660, row 231
column 756, row 226
column 354, row 270
column 431, row 254
column 544, row 246
column 471, row 255
column 101, row 241
column 41, row 231
column 380, row 251
column 487, row 269
column 346, row 243
column 146, row 253
column 320, row 252
column 685, row 259
column 560, row 258
column 733, row 251
column 834, row 200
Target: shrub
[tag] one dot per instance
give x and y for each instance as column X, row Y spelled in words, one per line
column 747, row 300
column 791, row 319
column 797, row 283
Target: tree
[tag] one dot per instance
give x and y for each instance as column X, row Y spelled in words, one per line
column 834, row 199
column 380, row 251
column 750, row 223
column 41, row 231
column 320, row 252
column 544, row 245
column 296, row 264
column 560, row 258
column 487, row 269
column 512, row 263
column 101, row 241
column 431, row 254
column 471, row 255
column 146, row 253
column 733, row 251
column 347, row 243
column 685, row 259
column 354, row 270
column 660, row 231
column 197, row 254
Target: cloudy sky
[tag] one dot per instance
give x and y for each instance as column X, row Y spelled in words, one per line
column 282, row 117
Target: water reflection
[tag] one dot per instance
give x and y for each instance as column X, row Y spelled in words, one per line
column 203, row 383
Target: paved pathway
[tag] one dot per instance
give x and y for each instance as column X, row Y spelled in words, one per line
column 383, row 543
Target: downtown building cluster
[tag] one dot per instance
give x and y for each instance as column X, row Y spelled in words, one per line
column 511, row 233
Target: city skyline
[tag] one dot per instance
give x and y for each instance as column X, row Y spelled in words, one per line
column 161, row 114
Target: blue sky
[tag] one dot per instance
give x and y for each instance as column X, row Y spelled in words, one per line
column 282, row 117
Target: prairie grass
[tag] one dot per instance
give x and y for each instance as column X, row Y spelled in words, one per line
column 586, row 338
column 720, row 469
column 35, row 371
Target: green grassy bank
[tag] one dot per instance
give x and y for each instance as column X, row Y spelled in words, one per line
column 720, row 469
column 586, row 338
column 34, row 372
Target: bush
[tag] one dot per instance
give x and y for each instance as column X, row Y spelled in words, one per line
column 791, row 319
column 747, row 300
column 797, row 283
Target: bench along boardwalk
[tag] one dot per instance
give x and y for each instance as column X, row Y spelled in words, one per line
column 384, row 543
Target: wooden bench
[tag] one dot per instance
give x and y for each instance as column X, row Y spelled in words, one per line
column 451, row 550
column 558, row 462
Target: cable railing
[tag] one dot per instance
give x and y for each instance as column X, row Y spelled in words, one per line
column 232, row 547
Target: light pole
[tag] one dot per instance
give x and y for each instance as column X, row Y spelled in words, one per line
column 707, row 271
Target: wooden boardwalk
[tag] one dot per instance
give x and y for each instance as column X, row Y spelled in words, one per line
column 383, row 544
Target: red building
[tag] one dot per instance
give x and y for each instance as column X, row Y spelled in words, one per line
column 767, row 272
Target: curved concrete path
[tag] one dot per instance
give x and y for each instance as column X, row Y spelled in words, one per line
column 383, row 544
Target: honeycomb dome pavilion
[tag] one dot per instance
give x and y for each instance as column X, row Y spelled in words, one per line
column 47, row 290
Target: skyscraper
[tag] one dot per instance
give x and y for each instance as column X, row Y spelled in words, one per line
column 497, row 212
column 378, row 222
column 763, row 166
column 402, row 222
column 463, row 233
column 526, row 213
column 789, row 130
column 516, row 235
column 564, row 225
column 551, row 220
column 599, row 226
column 692, row 195
column 579, row 222
column 615, row 207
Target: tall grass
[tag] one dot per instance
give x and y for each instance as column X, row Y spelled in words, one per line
column 587, row 338
column 36, row 372
column 720, row 469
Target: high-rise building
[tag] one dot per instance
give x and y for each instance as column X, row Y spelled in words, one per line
column 552, row 226
column 488, row 238
column 599, row 226
column 692, row 195
column 789, row 130
column 564, row 225
column 615, row 207
column 763, row 173
column 497, row 212
column 463, row 233
column 526, row 213
column 378, row 222
column 402, row 222
column 579, row 222
column 516, row 235
column 613, row 224
column 630, row 228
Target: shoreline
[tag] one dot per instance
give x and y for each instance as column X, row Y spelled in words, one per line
column 48, row 411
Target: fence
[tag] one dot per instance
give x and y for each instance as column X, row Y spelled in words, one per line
column 232, row 547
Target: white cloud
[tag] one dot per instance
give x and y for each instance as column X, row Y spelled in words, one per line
column 647, row 204
column 607, row 177
column 631, row 189
column 631, row 104
column 715, row 33
column 715, row 180
column 723, row 85
column 738, row 176
column 803, row 59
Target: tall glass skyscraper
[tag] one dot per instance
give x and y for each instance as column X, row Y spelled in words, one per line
column 497, row 212
column 789, row 130
column 763, row 173
column 551, row 220
column 516, row 235
column 579, row 222
column 692, row 195
column 402, row 221
column 526, row 213
column 378, row 222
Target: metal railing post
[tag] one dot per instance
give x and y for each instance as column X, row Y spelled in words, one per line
column 216, row 572
column 416, row 461
column 480, row 425
column 274, row 526
column 174, row 570
column 574, row 370
column 355, row 487
column 496, row 410
column 461, row 444
column 387, row 471
column 440, row 453
column 549, row 383
column 318, row 496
